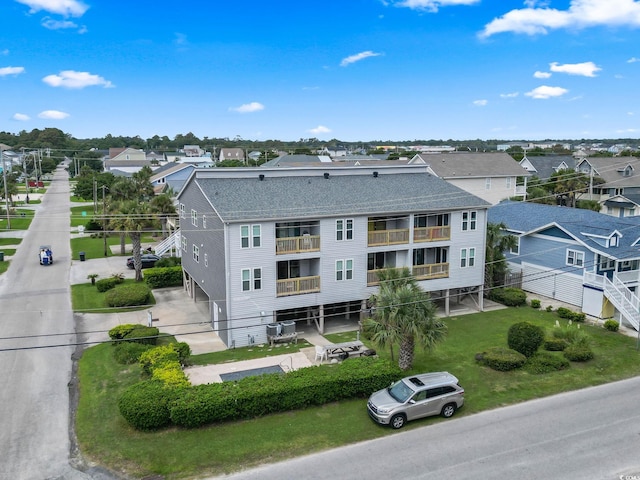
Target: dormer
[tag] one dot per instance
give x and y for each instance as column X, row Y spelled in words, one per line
column 626, row 171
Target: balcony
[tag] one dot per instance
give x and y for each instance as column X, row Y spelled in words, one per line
column 297, row 286
column 306, row 243
column 388, row 237
column 372, row 275
column 431, row 234
column 428, row 272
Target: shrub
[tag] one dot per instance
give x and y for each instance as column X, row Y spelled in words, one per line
column 571, row 315
column 163, row 277
column 127, row 353
column 509, row 296
column 168, row 262
column 93, row 226
column 502, row 359
column 128, row 295
column 578, row 351
column 535, row 303
column 142, row 334
column 145, row 405
column 525, row 337
column 569, row 333
column 157, row 357
column 184, row 352
column 544, row 362
column 553, row 344
column 611, row 325
column 171, row 375
column 106, row 284
column 120, row 331
column 549, row 308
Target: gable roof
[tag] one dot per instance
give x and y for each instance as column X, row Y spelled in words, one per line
column 241, row 194
column 546, row 165
column 470, row 165
column 612, row 170
column 583, row 225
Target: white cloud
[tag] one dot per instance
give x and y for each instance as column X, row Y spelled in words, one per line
column 545, row 92
column 21, row 117
column 248, row 108
column 633, row 60
column 4, row 52
column 73, row 79
column 480, row 103
column 585, row 69
column 580, row 14
column 180, row 39
column 52, row 24
column 357, row 57
column 433, row 5
column 509, row 95
column 67, row 8
column 4, row 71
column 319, row 129
column 53, row 115
column 540, row 74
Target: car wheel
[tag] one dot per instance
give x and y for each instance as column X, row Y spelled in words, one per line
column 397, row 421
column 448, row 410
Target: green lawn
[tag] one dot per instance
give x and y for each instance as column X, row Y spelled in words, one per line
column 20, row 220
column 94, row 247
column 81, row 214
column 86, row 298
column 105, row 437
column 10, row 241
column 4, row 265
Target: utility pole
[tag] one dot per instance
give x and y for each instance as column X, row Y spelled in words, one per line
column 6, row 189
column 104, row 218
column 95, row 195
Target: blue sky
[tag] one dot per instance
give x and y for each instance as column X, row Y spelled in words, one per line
column 348, row 69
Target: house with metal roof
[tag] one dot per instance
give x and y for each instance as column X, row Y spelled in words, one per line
column 490, row 176
column 577, row 256
column 265, row 245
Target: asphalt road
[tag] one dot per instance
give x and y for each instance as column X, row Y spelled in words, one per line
column 34, row 304
column 588, row 434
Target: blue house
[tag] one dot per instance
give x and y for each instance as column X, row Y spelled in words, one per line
column 580, row 257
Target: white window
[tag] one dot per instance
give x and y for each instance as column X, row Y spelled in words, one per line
column 196, row 254
column 508, row 182
column 182, row 210
column 575, row 258
column 251, row 277
column 194, row 218
column 249, row 236
column 344, row 229
column 516, row 249
column 204, row 221
column 467, row 257
column 206, row 259
column 469, row 220
column 487, row 183
column 344, row 269
column 613, row 241
column 184, row 243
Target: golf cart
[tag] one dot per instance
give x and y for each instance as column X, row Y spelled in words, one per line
column 45, row 255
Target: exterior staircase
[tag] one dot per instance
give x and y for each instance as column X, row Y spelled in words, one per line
column 625, row 301
column 170, row 244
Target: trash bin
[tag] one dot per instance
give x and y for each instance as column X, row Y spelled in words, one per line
column 82, row 256
column 1, row 256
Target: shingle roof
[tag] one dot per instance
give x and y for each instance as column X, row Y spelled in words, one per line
column 546, row 165
column 611, row 169
column 582, row 224
column 298, row 196
column 456, row 165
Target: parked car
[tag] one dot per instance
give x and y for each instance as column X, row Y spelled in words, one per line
column 417, row 396
column 148, row 260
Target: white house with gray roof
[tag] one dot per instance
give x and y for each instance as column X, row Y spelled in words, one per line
column 264, row 245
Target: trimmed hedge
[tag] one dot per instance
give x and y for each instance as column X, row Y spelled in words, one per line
column 502, row 359
column 571, row 315
column 262, row 395
column 553, row 344
column 525, row 337
column 163, row 277
column 127, row 353
column 145, row 405
column 509, row 296
column 144, row 335
column 106, row 284
column 544, row 362
column 611, row 325
column 129, row 295
column 578, row 352
column 120, row 331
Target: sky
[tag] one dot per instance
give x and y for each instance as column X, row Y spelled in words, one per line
column 353, row 70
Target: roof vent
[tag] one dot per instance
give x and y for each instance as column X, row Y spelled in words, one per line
column 375, row 174
column 261, row 176
column 326, row 175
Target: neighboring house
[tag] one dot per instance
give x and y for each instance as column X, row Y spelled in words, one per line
column 490, row 176
column 127, row 160
column 577, row 256
column 543, row 166
column 621, row 205
column 171, row 176
column 621, row 176
column 270, row 244
column 231, row 154
column 289, row 160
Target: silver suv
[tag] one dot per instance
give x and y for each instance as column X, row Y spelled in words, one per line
column 418, row 396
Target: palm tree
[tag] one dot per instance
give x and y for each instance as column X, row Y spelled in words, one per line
column 134, row 218
column 163, row 205
column 495, row 262
column 404, row 315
